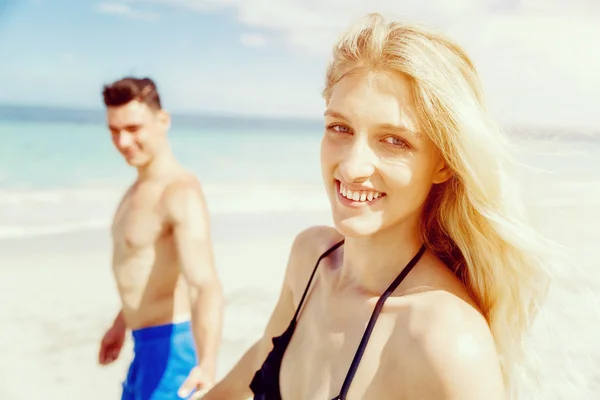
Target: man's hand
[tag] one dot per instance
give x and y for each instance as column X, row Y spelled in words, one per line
column 112, row 342
column 199, row 380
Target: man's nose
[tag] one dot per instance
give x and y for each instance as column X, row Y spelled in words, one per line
column 125, row 139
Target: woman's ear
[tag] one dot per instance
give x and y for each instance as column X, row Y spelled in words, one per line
column 442, row 173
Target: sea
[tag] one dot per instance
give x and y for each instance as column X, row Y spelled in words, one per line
column 60, row 173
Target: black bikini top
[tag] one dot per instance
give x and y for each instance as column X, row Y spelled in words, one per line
column 265, row 384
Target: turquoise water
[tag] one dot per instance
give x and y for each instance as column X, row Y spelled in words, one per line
column 57, row 155
column 63, row 176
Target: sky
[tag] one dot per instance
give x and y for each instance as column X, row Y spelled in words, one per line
column 539, row 60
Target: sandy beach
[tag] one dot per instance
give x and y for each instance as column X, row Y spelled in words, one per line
column 59, row 297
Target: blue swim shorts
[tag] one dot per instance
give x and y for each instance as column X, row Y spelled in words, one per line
column 163, row 357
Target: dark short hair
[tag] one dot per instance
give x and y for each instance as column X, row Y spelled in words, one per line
column 128, row 89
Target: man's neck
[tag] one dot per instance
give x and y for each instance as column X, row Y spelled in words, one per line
column 162, row 164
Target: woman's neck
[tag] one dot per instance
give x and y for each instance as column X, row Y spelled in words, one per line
column 372, row 263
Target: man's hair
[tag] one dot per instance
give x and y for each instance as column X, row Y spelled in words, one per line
column 128, row 89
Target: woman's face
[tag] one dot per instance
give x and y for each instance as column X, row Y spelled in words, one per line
column 377, row 165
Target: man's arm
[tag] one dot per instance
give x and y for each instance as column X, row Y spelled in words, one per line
column 191, row 231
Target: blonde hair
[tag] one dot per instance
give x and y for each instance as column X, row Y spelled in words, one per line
column 475, row 221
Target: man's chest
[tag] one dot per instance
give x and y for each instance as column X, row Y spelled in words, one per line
column 140, row 221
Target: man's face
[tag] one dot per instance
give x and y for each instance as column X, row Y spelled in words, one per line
column 138, row 132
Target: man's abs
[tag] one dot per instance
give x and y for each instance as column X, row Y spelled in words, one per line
column 151, row 286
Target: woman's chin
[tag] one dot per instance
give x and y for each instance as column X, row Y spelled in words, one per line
column 357, row 227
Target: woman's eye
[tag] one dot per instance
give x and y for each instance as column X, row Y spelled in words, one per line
column 338, row 128
column 396, row 141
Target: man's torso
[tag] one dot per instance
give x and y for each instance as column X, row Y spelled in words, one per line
column 145, row 262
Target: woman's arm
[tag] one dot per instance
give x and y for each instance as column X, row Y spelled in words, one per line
column 236, row 384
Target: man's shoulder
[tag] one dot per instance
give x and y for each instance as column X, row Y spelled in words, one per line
column 183, row 183
column 182, row 195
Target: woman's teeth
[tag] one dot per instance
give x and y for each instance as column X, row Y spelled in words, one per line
column 358, row 195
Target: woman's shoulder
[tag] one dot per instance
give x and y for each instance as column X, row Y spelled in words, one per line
column 437, row 314
column 449, row 342
column 316, row 239
column 308, row 246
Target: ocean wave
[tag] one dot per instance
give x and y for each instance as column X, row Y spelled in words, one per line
column 27, row 231
column 26, row 197
column 30, row 213
column 232, row 197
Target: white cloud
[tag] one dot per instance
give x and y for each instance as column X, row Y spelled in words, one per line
column 253, row 39
column 194, row 5
column 538, row 58
column 125, row 10
column 294, row 16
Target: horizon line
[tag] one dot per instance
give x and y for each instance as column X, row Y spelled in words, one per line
column 191, row 114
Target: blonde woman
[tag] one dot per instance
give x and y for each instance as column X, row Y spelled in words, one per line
column 431, row 276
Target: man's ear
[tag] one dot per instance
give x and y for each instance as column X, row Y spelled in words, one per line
column 164, row 119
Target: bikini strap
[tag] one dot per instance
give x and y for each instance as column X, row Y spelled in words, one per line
column 369, row 329
column 324, row 255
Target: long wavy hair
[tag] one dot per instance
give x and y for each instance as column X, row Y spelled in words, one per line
column 475, row 222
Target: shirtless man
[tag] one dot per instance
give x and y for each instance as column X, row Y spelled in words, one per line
column 162, row 257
